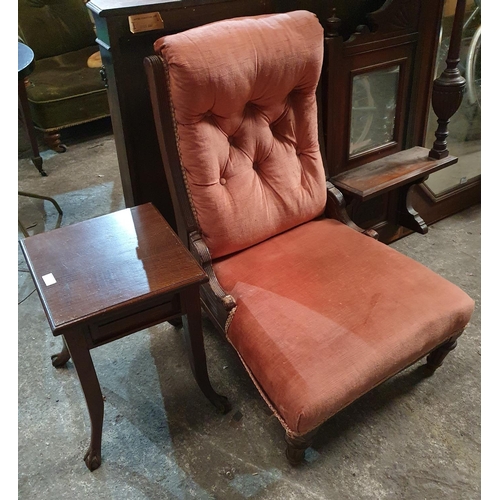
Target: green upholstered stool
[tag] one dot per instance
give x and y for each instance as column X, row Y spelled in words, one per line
column 63, row 91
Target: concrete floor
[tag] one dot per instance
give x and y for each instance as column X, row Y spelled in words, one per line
column 411, row 438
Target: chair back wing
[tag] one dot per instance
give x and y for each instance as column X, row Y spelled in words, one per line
column 243, row 97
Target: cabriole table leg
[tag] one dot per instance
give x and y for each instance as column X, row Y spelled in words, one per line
column 88, row 379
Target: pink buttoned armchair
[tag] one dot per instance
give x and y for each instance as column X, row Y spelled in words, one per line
column 317, row 309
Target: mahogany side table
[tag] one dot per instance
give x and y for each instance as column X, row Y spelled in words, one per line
column 111, row 276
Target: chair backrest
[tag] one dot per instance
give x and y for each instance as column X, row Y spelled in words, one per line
column 54, row 27
column 243, row 98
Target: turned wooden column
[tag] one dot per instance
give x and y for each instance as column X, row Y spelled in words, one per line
column 448, row 89
column 332, row 87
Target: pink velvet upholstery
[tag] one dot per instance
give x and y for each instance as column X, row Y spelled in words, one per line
column 243, row 93
column 325, row 313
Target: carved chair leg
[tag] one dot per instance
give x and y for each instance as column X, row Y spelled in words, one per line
column 296, row 447
column 53, row 141
column 436, row 357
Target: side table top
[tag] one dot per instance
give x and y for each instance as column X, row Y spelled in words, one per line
column 107, row 263
column 25, row 60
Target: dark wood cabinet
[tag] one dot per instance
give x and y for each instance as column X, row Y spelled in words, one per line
column 122, row 53
column 374, row 98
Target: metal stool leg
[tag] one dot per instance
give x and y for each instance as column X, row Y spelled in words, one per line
column 40, row 197
column 23, row 229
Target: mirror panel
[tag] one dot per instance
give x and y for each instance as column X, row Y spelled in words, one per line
column 464, row 139
column 373, row 109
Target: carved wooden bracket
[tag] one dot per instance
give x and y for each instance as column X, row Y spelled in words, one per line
column 336, row 209
column 202, row 255
column 399, row 172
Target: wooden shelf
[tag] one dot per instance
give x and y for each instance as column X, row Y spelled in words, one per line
column 388, row 173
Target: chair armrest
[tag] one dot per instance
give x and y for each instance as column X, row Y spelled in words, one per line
column 336, row 209
column 201, row 253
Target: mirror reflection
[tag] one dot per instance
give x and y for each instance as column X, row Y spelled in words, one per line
column 373, row 109
column 464, row 140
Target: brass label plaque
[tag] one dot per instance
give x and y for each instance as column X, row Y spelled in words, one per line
column 145, row 22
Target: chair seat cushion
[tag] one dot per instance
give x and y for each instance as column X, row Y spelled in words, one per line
column 64, row 91
column 324, row 314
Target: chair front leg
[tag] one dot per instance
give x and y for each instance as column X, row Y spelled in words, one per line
column 296, row 446
column 436, row 357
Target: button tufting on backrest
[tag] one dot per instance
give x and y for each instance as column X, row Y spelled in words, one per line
column 257, row 76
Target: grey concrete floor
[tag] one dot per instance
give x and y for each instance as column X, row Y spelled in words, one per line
column 411, row 438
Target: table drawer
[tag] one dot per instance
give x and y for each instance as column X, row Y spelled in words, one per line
column 125, row 324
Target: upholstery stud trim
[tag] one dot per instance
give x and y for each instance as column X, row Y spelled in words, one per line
column 177, row 141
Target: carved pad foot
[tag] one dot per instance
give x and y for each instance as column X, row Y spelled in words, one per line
column 221, row 403
column 92, row 459
column 60, row 359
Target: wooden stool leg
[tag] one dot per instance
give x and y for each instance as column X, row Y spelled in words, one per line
column 88, row 379
column 193, row 335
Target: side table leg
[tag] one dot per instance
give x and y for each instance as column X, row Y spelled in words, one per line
column 193, row 335
column 92, row 392
column 61, row 358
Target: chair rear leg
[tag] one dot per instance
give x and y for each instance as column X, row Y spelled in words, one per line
column 436, row 357
column 53, row 141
